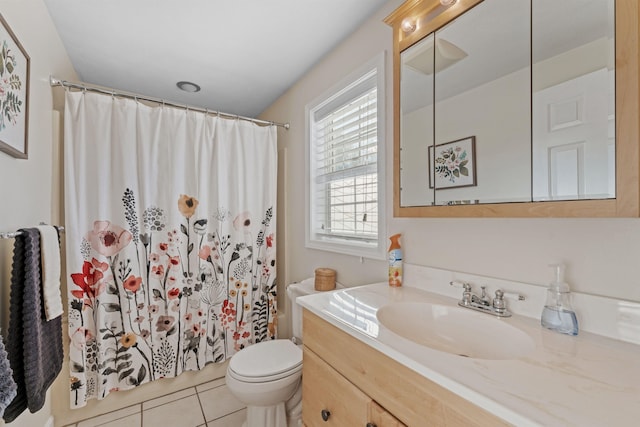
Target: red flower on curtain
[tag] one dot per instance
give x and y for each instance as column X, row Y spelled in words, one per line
column 90, row 280
column 173, row 293
column 132, row 283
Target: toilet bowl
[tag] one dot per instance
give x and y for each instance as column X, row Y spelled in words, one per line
column 267, row 376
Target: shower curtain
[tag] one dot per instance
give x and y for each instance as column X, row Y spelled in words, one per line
column 170, row 236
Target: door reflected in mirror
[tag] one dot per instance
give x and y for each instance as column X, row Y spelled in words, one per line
column 573, row 99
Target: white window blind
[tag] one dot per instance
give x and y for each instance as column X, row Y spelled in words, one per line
column 344, row 168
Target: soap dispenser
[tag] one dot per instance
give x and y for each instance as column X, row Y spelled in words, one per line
column 558, row 315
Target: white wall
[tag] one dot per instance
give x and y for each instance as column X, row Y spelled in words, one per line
column 601, row 254
column 503, row 141
column 28, row 194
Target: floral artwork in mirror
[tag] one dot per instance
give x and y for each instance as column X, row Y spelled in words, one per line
column 14, row 93
column 556, row 107
column 453, row 164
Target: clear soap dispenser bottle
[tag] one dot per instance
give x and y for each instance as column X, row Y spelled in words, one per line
column 558, row 315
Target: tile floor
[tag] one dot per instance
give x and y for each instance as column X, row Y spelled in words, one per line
column 206, row 405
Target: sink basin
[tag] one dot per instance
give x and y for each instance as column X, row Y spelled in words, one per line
column 456, row 330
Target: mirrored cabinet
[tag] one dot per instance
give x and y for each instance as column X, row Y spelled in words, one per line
column 516, row 108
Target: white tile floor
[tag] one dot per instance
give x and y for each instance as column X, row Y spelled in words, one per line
column 209, row 404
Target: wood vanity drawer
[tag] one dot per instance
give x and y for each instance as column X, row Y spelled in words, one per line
column 323, row 389
column 410, row 397
column 331, row 400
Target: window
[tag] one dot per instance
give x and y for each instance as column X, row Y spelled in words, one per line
column 345, row 197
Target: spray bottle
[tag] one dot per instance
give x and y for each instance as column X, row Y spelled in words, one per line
column 395, row 262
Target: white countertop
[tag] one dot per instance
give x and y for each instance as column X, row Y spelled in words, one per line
column 584, row 380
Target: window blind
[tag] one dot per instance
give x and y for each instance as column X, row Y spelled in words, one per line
column 345, row 165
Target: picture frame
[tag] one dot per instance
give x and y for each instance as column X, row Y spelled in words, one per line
column 453, row 164
column 14, row 93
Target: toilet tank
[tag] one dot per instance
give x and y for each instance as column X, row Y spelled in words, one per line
column 295, row 290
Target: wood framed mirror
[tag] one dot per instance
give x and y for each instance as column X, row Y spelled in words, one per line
column 549, row 174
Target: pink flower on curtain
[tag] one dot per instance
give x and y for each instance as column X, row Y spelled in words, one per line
column 164, row 323
column 108, row 239
column 205, row 252
column 132, row 283
column 158, row 271
column 80, row 336
column 243, row 220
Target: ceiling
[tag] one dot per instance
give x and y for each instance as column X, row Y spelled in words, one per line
column 244, row 54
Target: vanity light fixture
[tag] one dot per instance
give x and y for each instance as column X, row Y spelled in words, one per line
column 408, row 25
column 448, row 2
column 188, row 86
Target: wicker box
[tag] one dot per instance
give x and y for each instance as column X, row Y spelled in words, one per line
column 325, row 279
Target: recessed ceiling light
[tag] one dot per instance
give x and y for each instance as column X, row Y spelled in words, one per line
column 188, row 86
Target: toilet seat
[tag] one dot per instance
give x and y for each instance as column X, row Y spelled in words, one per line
column 266, row 361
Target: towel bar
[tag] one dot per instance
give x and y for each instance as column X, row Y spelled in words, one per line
column 12, row 234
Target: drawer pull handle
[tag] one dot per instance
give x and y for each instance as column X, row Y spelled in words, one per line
column 325, row 414
column 371, row 425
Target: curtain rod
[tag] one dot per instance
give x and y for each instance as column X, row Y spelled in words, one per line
column 85, row 86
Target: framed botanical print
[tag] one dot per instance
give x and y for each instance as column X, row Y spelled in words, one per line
column 453, row 164
column 14, row 93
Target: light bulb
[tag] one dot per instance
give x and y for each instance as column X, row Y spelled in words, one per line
column 447, row 2
column 408, row 25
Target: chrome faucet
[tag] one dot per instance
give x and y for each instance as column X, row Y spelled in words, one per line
column 483, row 303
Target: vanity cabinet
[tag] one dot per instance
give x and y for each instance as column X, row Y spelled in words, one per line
column 360, row 386
column 329, row 399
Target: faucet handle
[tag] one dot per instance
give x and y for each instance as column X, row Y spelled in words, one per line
column 466, row 294
column 498, row 302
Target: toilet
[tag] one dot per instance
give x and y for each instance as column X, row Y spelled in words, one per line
column 267, row 376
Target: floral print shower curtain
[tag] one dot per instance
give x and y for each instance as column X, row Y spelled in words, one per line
column 170, row 236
